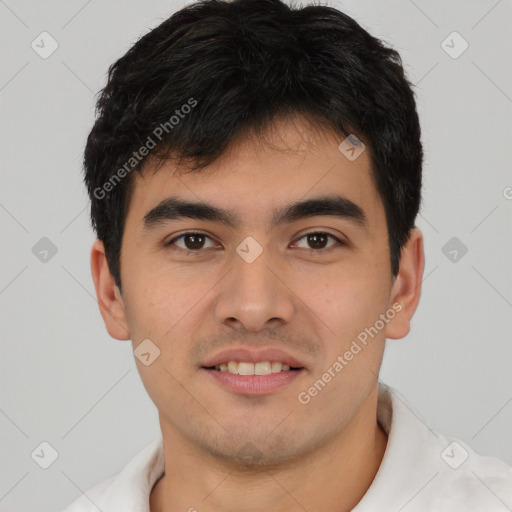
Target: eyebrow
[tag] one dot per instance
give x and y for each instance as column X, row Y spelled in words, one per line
column 174, row 208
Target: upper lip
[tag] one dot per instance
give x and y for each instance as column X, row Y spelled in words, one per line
column 253, row 356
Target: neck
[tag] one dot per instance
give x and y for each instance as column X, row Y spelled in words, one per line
column 334, row 476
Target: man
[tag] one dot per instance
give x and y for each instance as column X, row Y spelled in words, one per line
column 255, row 175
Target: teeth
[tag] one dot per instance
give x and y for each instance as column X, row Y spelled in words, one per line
column 260, row 368
column 246, row 368
column 276, row 366
column 263, row 368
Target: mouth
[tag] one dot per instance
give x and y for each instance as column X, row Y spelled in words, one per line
column 253, row 377
column 248, row 368
column 253, row 361
column 253, row 372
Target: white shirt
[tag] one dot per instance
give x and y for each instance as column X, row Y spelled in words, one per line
column 422, row 471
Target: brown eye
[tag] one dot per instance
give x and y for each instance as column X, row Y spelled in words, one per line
column 317, row 241
column 194, row 241
column 191, row 241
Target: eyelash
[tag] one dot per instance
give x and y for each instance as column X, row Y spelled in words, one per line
column 198, row 251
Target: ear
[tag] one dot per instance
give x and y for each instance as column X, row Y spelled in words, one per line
column 111, row 303
column 406, row 288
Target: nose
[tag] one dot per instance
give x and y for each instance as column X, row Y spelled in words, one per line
column 254, row 295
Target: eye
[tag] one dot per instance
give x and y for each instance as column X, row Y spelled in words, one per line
column 192, row 241
column 317, row 241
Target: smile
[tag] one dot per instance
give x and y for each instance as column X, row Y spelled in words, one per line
column 248, row 368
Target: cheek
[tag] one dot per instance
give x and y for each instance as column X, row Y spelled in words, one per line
column 347, row 302
column 160, row 295
column 168, row 309
column 348, row 286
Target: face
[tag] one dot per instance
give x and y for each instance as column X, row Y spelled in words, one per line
column 309, row 287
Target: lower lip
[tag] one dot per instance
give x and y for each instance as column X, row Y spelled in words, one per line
column 254, row 385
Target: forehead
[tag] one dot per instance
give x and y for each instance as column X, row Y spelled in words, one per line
column 253, row 177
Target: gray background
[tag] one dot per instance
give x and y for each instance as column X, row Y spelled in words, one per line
column 65, row 381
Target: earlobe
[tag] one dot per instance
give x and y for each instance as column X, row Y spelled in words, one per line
column 109, row 298
column 406, row 289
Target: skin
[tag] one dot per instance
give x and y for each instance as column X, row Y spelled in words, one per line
column 311, row 304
